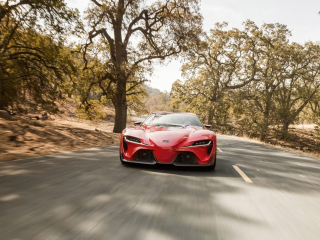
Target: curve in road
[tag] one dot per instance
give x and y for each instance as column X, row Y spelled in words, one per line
column 90, row 195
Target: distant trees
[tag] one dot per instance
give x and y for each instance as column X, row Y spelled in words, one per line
column 258, row 108
column 253, row 78
column 34, row 61
column 288, row 86
column 222, row 61
column 299, row 86
column 134, row 34
column 159, row 102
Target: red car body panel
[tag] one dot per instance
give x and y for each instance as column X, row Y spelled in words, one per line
column 167, row 142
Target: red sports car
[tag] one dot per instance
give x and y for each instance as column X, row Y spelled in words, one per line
column 169, row 138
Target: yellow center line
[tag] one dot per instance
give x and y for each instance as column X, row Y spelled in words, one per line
column 219, row 149
column 242, row 174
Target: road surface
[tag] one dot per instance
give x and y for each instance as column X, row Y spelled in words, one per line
column 256, row 192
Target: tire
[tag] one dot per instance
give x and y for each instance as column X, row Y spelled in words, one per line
column 213, row 166
column 124, row 163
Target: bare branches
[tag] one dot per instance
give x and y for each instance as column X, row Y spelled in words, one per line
column 130, row 31
column 97, row 3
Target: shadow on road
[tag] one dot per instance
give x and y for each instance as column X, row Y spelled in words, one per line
column 273, row 168
column 220, row 171
column 90, row 195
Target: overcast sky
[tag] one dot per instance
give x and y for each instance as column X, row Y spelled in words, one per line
column 301, row 17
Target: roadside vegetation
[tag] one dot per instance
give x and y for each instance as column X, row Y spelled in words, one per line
column 250, row 82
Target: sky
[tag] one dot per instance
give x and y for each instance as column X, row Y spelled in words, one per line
column 301, row 17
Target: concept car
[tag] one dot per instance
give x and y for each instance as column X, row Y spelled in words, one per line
column 169, row 138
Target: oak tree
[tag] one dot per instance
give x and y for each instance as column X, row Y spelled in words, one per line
column 33, row 58
column 223, row 61
column 300, row 84
column 137, row 33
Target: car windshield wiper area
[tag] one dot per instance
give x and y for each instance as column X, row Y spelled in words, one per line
column 168, row 125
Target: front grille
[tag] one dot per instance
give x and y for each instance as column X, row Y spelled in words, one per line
column 186, row 158
column 146, row 156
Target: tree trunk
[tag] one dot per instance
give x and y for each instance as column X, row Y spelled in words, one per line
column 210, row 116
column 3, row 104
column 264, row 130
column 3, row 98
column 285, row 126
column 60, row 95
column 120, row 105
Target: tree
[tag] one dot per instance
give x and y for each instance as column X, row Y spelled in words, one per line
column 159, row 102
column 300, row 84
column 312, row 112
column 33, row 58
column 135, row 34
column 93, row 80
column 257, row 103
column 222, row 61
column 289, row 82
column 253, row 78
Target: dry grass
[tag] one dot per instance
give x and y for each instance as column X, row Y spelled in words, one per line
column 26, row 137
column 300, row 138
column 23, row 138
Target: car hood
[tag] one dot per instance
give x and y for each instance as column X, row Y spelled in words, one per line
column 168, row 136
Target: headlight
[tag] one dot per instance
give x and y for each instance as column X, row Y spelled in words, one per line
column 132, row 139
column 202, row 143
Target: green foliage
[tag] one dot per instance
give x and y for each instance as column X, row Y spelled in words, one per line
column 135, row 99
column 223, row 61
column 94, row 112
column 96, row 82
column 34, row 62
column 158, row 101
column 132, row 35
column 152, row 91
column 316, row 136
column 252, row 79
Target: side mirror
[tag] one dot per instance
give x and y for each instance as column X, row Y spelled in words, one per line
column 207, row 126
column 137, row 123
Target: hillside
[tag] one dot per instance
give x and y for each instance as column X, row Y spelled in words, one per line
column 157, row 100
column 27, row 135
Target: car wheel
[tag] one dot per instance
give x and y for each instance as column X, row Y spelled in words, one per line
column 120, row 155
column 213, row 166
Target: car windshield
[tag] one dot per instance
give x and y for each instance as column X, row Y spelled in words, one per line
column 173, row 120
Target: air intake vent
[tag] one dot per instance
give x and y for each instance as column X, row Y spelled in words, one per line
column 125, row 145
column 185, row 158
column 145, row 156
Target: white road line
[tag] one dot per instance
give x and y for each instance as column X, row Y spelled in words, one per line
column 219, row 149
column 242, row 174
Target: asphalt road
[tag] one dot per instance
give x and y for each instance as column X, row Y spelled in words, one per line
column 90, row 195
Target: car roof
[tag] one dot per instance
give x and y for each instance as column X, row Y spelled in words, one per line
column 164, row 113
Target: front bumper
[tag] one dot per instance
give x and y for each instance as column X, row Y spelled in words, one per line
column 196, row 156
